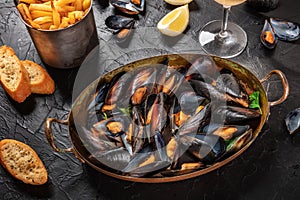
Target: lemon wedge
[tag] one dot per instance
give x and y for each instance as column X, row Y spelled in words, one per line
column 178, row 2
column 175, row 22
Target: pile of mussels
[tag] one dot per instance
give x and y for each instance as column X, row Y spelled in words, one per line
column 169, row 119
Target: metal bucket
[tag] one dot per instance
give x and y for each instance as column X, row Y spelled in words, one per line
column 68, row 47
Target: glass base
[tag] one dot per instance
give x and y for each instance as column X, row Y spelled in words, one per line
column 231, row 44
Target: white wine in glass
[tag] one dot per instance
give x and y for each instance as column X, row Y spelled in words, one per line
column 222, row 38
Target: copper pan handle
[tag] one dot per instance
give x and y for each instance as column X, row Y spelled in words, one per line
column 285, row 84
column 49, row 134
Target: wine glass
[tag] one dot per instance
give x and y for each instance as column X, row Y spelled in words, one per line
column 222, row 38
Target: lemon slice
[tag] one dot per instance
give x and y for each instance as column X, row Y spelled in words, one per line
column 178, row 2
column 175, row 22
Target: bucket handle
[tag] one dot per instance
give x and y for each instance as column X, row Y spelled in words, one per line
column 49, row 134
column 285, row 84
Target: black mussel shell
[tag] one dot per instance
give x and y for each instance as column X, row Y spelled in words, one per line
column 267, row 36
column 125, row 7
column 118, row 22
column 263, row 5
column 284, row 30
column 232, row 114
column 229, row 84
column 292, row 121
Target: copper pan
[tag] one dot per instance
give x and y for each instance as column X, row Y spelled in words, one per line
column 78, row 114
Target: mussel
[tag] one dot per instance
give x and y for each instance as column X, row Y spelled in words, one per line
column 128, row 7
column 292, row 121
column 227, row 132
column 238, row 142
column 144, row 163
column 196, row 122
column 229, row 84
column 114, row 126
column 284, row 30
column 122, row 25
column 281, row 29
column 214, row 95
column 204, row 68
column 117, row 22
column 267, row 36
column 232, row 114
column 189, row 102
column 205, row 148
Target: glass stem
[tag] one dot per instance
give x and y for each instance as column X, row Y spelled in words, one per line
column 223, row 33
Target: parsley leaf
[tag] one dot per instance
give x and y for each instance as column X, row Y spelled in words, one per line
column 125, row 111
column 254, row 101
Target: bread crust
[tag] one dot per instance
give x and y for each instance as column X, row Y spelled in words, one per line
column 22, row 89
column 12, row 163
column 44, row 84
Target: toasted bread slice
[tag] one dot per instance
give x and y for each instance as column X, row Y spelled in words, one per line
column 40, row 80
column 13, row 76
column 22, row 162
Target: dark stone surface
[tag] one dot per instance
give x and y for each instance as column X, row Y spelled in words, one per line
column 269, row 169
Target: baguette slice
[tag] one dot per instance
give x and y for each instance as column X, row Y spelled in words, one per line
column 22, row 162
column 40, row 80
column 13, row 76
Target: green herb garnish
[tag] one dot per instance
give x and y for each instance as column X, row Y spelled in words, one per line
column 230, row 143
column 105, row 116
column 254, row 101
column 125, row 111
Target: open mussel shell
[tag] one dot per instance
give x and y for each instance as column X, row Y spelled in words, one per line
column 292, row 121
column 237, row 143
column 122, row 25
column 125, row 6
column 118, row 22
column 267, row 36
column 284, row 30
column 124, row 34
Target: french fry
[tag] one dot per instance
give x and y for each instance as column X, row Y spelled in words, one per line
column 63, row 24
column 33, row 24
column 55, row 16
column 64, row 2
column 86, row 4
column 53, row 27
column 78, row 14
column 65, row 20
column 22, row 11
column 46, row 25
column 65, row 9
column 43, row 20
column 71, row 17
column 28, row 1
column 39, row 13
column 41, row 7
column 78, row 4
column 27, row 13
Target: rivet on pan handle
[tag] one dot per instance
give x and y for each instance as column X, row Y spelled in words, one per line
column 49, row 134
column 285, row 84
